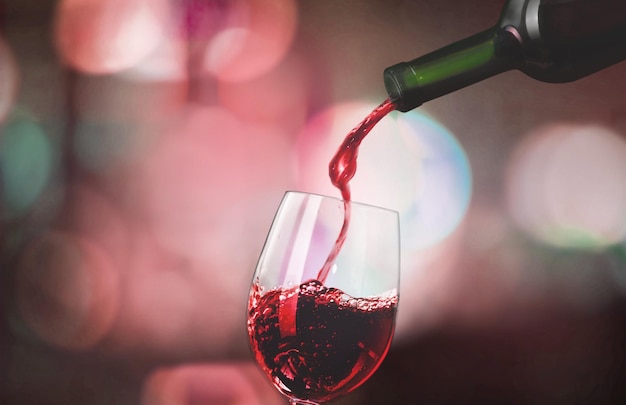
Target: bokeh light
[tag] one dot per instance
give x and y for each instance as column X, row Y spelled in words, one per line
column 258, row 40
column 67, row 290
column 166, row 63
column 167, row 295
column 101, row 145
column 209, row 171
column 9, row 79
column 197, row 21
column 97, row 216
column 444, row 186
column 411, row 164
column 26, row 163
column 408, row 163
column 279, row 97
column 125, row 119
column 323, row 134
column 566, row 188
column 206, row 193
column 213, row 383
column 107, row 36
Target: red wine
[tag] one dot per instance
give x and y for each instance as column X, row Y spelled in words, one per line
column 318, row 343
column 342, row 168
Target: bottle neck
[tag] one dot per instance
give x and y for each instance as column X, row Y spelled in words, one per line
column 410, row 84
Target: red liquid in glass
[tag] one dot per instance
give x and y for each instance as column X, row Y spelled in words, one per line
column 341, row 170
column 318, row 343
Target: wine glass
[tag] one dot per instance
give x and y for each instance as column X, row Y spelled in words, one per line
column 318, row 338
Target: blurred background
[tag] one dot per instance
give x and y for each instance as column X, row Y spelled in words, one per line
column 145, row 146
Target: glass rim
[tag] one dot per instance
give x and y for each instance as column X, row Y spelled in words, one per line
column 338, row 199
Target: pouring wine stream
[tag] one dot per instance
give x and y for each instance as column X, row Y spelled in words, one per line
column 342, row 168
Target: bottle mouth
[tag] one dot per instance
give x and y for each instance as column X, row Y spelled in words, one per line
column 396, row 87
column 392, row 85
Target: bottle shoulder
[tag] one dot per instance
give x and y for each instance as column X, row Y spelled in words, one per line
column 564, row 40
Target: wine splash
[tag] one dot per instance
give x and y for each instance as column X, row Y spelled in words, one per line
column 316, row 342
column 342, row 168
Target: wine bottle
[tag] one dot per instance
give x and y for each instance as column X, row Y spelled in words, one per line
column 549, row 40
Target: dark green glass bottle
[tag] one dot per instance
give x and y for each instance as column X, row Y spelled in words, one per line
column 549, row 40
